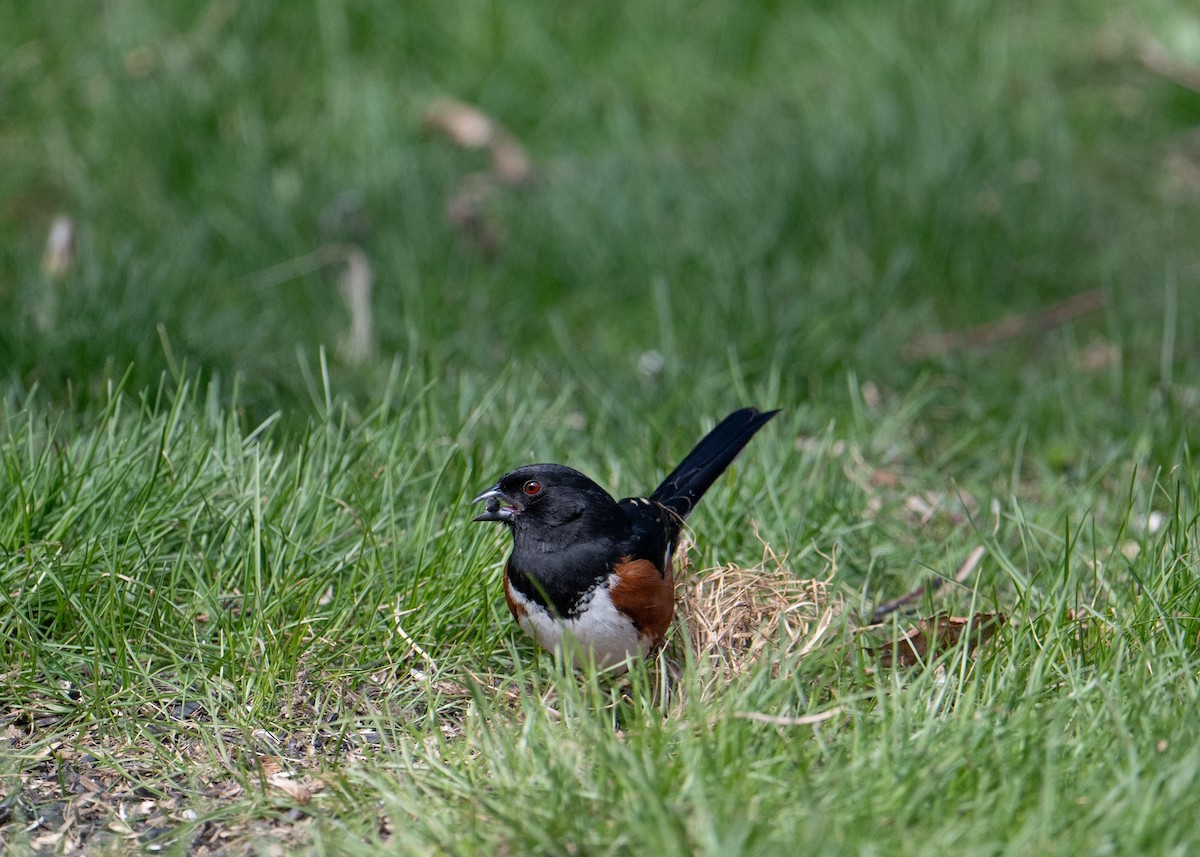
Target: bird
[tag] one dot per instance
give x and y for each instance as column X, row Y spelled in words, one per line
column 595, row 569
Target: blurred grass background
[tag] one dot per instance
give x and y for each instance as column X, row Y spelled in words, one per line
column 732, row 203
column 799, row 188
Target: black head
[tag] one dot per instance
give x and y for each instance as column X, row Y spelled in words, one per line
column 540, row 496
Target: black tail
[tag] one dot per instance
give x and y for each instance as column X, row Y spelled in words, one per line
column 682, row 490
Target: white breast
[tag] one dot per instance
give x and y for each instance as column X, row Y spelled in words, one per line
column 602, row 632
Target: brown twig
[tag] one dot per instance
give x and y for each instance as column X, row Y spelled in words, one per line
column 964, row 571
column 778, row 720
column 1054, row 315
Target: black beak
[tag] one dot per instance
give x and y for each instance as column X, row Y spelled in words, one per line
column 493, row 511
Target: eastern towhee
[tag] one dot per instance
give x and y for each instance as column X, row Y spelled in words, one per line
column 585, row 565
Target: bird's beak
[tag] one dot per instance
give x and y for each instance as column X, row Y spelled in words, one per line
column 494, row 511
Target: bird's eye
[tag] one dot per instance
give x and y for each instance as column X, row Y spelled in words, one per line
column 532, row 488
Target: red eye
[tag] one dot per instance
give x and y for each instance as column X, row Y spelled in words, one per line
column 532, row 488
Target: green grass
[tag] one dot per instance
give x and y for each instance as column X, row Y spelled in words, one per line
column 240, row 595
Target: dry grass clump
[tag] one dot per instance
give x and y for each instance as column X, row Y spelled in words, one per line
column 732, row 615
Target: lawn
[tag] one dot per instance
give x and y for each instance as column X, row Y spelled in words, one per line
column 312, row 304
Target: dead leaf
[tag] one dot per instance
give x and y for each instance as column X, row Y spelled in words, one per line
column 1098, row 355
column 466, row 125
column 46, row 840
column 297, row 791
column 60, row 248
column 1183, row 173
column 90, row 785
column 509, row 160
column 466, row 208
column 920, row 506
column 355, row 285
column 471, row 128
column 870, row 395
column 121, row 827
column 934, row 634
column 884, row 478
